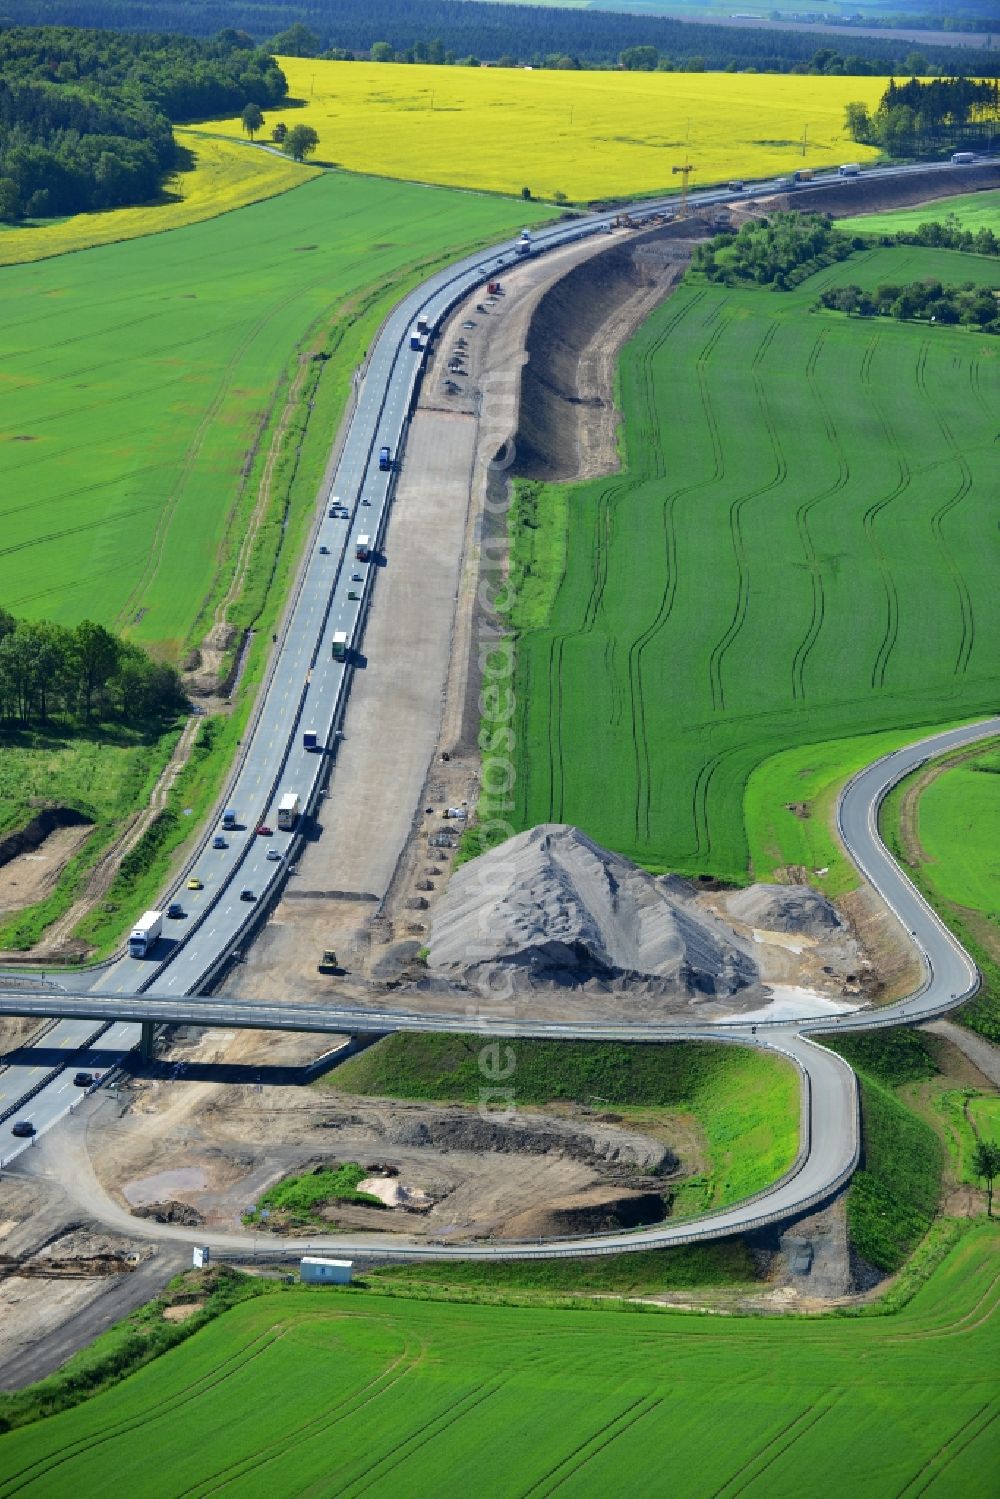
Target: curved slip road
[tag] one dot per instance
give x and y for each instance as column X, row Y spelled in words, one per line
column 308, row 688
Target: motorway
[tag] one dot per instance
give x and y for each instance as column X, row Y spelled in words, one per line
column 308, row 689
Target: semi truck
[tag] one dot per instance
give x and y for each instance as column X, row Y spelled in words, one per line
column 288, row 811
column 363, row 548
column 805, row 175
column 423, row 323
column 340, row 645
column 229, row 819
column 524, row 244
column 963, row 158
column 384, row 459
column 309, row 739
column 145, row 934
column 849, row 169
column 416, row 343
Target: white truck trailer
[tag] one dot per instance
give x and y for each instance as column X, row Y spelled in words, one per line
column 145, row 934
column 288, row 810
column 340, row 645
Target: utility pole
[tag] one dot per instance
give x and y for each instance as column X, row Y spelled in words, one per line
column 805, row 133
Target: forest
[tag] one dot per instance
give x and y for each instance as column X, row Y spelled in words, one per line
column 85, row 116
column 465, row 30
column 79, row 675
column 779, row 251
column 917, row 117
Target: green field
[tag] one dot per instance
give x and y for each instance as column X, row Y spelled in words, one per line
column 959, row 831
column 800, row 549
column 740, row 1107
column 319, row 1392
column 141, row 383
column 973, row 211
column 950, row 847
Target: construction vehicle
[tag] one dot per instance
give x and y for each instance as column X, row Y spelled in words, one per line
column 685, row 172
column 624, row 221
column 493, row 288
column 328, row 962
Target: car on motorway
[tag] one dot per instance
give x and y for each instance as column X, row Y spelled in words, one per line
column 353, row 595
column 84, row 1079
column 176, row 911
column 194, row 883
column 247, row 894
column 275, row 855
column 264, row 831
column 324, row 550
column 22, row 1128
column 219, row 842
column 356, row 578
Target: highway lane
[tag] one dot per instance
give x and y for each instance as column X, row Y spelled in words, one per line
column 307, row 689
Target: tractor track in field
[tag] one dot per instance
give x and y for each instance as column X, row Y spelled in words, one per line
column 639, row 646
column 348, row 1406
column 722, row 647
column 802, row 514
column 931, row 1470
column 891, row 632
column 964, row 488
column 592, row 1446
column 232, row 1363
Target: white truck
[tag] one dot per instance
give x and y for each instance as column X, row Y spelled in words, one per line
column 145, row 934
column 963, row 158
column 288, row 810
column 340, row 645
column 849, row 169
column 363, row 548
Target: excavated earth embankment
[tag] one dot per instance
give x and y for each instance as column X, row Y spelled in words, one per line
column 868, row 195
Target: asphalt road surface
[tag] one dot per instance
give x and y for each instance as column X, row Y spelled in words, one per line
column 308, row 690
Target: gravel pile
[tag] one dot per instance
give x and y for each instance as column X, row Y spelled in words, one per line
column 551, row 906
column 785, row 908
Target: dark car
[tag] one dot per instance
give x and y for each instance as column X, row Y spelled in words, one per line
column 176, row 911
column 22, row 1129
column 219, row 842
column 83, row 1079
column 247, row 894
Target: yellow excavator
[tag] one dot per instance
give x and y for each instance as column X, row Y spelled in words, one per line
column 328, row 962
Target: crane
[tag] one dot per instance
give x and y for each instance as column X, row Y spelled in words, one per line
column 685, row 172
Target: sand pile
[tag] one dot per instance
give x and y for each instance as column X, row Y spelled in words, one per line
column 552, row 907
column 785, row 908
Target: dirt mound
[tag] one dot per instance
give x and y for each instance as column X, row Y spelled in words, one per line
column 859, row 195
column 785, row 908
column 469, row 1130
column 551, row 906
column 170, row 1212
column 595, row 1211
column 27, row 839
column 566, row 421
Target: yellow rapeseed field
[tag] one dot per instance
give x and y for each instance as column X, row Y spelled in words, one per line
column 224, row 176
column 583, row 134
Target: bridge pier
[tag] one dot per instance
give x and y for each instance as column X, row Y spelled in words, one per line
column 148, row 1036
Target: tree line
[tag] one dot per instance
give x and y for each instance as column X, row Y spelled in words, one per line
column 79, row 675
column 85, row 116
column 946, row 234
column 469, row 30
column 915, row 117
column 779, row 251
column 928, row 301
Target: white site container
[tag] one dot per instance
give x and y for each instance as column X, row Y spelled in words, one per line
column 319, row 1272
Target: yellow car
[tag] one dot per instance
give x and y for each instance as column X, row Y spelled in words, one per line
column 194, row 883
